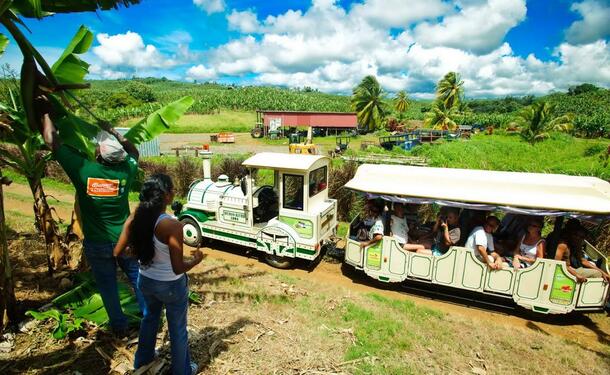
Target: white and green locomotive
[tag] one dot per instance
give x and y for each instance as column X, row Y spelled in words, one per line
column 292, row 218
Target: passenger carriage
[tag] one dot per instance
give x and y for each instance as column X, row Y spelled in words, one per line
column 545, row 287
column 288, row 219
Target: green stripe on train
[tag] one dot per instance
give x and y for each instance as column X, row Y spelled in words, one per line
column 228, row 235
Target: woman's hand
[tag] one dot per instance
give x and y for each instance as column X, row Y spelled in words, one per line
column 197, row 255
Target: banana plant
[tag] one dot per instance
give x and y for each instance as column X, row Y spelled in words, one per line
column 58, row 82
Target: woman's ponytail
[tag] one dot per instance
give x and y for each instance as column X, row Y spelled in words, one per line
column 152, row 204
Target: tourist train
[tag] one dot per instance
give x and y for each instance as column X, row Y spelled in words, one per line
column 294, row 218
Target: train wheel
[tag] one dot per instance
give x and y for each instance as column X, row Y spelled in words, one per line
column 191, row 232
column 278, row 261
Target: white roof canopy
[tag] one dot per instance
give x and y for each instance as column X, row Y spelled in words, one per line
column 512, row 189
column 273, row 160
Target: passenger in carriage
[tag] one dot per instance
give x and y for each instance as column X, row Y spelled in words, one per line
column 481, row 242
column 571, row 250
column 399, row 229
column 374, row 221
column 447, row 230
column 531, row 245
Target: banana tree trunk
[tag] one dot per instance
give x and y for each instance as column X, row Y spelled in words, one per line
column 8, row 305
column 47, row 226
column 73, row 240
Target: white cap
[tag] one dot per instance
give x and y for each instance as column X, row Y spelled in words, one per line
column 110, row 148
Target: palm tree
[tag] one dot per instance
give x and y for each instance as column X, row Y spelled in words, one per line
column 401, row 103
column 368, row 101
column 537, row 120
column 440, row 117
column 449, row 89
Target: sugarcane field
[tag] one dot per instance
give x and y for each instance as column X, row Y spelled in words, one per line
column 304, row 187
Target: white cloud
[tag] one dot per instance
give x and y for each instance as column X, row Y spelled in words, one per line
column 129, row 50
column 329, row 48
column 210, row 6
column 98, row 72
column 200, row 72
column 594, row 25
column 245, row 22
column 399, row 13
column 479, row 27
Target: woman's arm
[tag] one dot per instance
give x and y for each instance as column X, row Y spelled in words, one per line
column 176, row 255
column 374, row 240
column 123, row 238
column 540, row 249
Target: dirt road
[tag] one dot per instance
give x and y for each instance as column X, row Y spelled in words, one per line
column 591, row 330
column 244, row 143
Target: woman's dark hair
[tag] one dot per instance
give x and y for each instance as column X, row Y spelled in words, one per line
column 152, row 204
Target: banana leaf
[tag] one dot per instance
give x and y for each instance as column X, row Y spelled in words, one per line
column 3, row 43
column 159, row 121
column 69, row 68
column 43, row 8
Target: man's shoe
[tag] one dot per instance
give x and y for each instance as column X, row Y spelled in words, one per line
column 194, row 368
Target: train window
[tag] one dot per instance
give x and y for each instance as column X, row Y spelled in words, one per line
column 293, row 192
column 317, row 181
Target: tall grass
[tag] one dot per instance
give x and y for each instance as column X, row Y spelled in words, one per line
column 560, row 154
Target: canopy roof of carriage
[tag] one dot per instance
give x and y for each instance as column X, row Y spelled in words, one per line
column 528, row 193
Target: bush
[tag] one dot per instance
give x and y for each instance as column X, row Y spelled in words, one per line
column 121, row 99
column 140, row 91
column 185, row 172
column 349, row 203
column 230, row 166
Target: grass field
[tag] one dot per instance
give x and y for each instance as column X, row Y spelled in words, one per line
column 559, row 154
column 230, row 121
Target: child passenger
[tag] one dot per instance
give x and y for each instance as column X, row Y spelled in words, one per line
column 399, row 229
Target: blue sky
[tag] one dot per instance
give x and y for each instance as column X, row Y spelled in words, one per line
column 500, row 47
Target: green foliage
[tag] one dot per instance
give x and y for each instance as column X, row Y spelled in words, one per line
column 140, row 91
column 537, row 120
column 3, row 43
column 449, row 90
column 368, row 100
column 69, row 68
column 581, row 89
column 121, row 100
column 64, row 322
column 211, row 98
column 401, row 102
column 159, row 121
column 43, row 8
column 560, row 153
column 441, row 117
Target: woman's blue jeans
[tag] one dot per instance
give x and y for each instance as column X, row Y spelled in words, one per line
column 103, row 266
column 174, row 296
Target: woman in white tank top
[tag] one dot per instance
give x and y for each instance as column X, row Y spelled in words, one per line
column 531, row 246
column 156, row 238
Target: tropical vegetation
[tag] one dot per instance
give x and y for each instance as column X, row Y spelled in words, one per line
column 538, row 119
column 369, row 103
column 52, row 87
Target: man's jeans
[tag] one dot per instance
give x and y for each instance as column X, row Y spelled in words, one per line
column 103, row 266
column 174, row 295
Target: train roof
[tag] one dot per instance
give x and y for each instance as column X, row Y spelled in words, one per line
column 538, row 191
column 274, row 160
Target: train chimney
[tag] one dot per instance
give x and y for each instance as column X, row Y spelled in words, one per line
column 206, row 155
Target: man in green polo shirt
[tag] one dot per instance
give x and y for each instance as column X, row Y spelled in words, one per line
column 102, row 190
